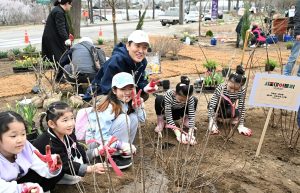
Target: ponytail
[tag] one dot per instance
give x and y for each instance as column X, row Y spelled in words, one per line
column 184, row 88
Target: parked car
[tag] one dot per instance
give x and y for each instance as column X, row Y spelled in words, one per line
column 192, row 16
column 171, row 16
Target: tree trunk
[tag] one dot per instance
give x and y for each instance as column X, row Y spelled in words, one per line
column 181, row 12
column 91, row 13
column 76, row 17
column 113, row 10
column 153, row 14
column 229, row 5
column 127, row 7
column 100, row 13
column 237, row 5
column 104, row 1
column 173, row 4
column 200, row 18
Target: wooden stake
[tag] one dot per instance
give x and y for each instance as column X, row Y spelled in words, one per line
column 264, row 132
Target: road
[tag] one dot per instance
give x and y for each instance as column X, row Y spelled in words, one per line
column 13, row 37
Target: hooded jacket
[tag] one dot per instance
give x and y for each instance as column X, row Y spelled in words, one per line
column 120, row 61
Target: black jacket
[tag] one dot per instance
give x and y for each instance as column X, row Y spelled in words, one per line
column 58, row 147
column 297, row 19
column 55, row 34
column 120, row 61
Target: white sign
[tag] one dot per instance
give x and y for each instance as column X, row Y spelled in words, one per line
column 275, row 91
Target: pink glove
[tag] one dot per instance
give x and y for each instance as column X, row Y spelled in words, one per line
column 54, row 164
column 31, row 188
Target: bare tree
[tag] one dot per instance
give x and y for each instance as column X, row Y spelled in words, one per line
column 113, row 4
column 181, row 11
column 153, row 7
column 229, row 5
column 127, row 7
column 75, row 16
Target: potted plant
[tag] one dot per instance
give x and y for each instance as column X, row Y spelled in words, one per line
column 212, row 80
column 210, row 65
column 30, row 51
column 25, row 65
column 289, row 45
column 270, row 65
column 28, row 111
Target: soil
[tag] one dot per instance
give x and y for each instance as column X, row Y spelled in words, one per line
column 214, row 164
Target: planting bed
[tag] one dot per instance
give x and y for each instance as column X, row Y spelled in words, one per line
column 225, row 167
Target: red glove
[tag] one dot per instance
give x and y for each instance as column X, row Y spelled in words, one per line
column 136, row 99
column 151, row 87
column 31, row 188
column 71, row 37
column 53, row 164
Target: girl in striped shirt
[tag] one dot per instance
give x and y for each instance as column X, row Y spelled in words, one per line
column 172, row 106
column 230, row 93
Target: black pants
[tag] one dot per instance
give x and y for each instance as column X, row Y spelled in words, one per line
column 238, row 38
column 225, row 110
column 176, row 113
column 45, row 183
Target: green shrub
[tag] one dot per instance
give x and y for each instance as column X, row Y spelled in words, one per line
column 289, row 45
column 3, row 54
column 272, row 63
column 100, row 41
column 213, row 79
column 29, row 49
column 16, row 51
column 210, row 64
column 193, row 38
column 209, row 33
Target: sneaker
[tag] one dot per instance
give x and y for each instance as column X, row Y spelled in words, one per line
column 253, row 46
column 121, row 162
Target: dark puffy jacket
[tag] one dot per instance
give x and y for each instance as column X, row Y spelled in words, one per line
column 297, row 19
column 120, row 61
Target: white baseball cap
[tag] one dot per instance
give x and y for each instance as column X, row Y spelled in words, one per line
column 139, row 36
column 122, row 79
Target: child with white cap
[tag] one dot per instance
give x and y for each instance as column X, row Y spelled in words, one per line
column 130, row 58
column 119, row 114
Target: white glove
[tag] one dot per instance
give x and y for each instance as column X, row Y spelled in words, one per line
column 244, row 130
column 148, row 89
column 68, row 42
column 31, row 188
column 212, row 127
column 125, row 148
column 181, row 137
column 191, row 138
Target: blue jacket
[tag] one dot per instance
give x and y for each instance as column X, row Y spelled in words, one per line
column 120, row 61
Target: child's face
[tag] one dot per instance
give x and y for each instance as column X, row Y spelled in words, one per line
column 64, row 125
column 124, row 94
column 233, row 87
column 13, row 141
column 181, row 99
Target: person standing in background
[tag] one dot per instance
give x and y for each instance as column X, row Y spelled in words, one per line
column 296, row 47
column 56, row 34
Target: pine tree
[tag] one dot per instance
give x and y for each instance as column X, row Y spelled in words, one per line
column 141, row 20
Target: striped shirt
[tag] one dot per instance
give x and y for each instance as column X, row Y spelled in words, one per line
column 232, row 96
column 172, row 104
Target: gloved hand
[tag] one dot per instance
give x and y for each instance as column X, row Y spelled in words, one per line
column 100, row 150
column 136, row 99
column 31, row 188
column 212, row 127
column 191, row 138
column 125, row 148
column 181, row 137
column 54, row 161
column 151, row 87
column 244, row 130
column 68, row 42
